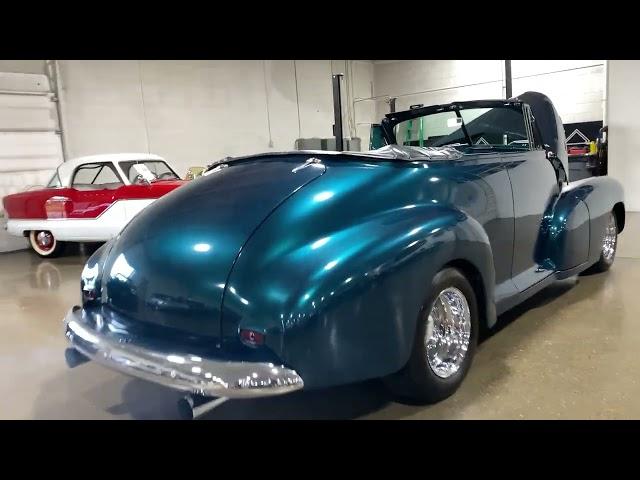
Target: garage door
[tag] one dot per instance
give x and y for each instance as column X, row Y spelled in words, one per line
column 30, row 147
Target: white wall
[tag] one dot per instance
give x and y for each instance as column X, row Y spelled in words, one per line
column 575, row 87
column 195, row 112
column 624, row 128
column 23, row 66
column 432, row 82
column 30, row 147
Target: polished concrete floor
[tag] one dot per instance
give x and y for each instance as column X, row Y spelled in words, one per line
column 570, row 352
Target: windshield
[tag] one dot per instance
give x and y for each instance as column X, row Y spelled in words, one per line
column 159, row 169
column 502, row 127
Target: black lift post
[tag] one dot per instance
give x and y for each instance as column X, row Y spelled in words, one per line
column 508, row 81
column 337, row 111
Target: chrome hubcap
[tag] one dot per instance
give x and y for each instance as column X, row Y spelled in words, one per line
column 610, row 239
column 44, row 240
column 448, row 332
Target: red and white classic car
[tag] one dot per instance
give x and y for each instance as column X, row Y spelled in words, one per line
column 88, row 199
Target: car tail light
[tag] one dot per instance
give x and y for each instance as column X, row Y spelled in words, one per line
column 57, row 207
column 251, row 338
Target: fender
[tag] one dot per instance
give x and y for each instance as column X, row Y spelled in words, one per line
column 564, row 235
column 341, row 306
column 601, row 195
column 574, row 228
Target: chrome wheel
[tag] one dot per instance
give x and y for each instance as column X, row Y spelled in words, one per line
column 448, row 332
column 44, row 241
column 610, row 239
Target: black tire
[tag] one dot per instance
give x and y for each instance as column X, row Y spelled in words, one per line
column 54, row 249
column 417, row 381
column 606, row 257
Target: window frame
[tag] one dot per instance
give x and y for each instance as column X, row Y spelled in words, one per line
column 390, row 121
column 55, row 177
column 110, row 165
column 533, row 132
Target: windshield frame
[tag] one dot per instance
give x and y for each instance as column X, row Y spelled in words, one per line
column 390, row 121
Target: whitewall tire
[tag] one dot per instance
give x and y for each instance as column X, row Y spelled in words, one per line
column 45, row 244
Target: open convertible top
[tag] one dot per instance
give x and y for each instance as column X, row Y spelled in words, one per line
column 547, row 120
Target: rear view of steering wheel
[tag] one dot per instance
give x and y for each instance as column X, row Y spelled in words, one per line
column 139, row 180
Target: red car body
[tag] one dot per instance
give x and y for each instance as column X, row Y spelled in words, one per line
column 67, row 210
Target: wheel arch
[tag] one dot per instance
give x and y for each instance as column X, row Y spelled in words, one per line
column 619, row 212
column 473, row 275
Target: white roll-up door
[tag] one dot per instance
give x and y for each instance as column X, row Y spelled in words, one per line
column 30, row 142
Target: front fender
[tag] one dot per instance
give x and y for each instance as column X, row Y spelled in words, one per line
column 341, row 305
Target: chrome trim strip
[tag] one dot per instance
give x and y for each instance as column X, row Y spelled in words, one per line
column 180, row 371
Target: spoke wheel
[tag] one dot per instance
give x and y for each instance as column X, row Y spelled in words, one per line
column 448, row 332
column 610, row 240
column 445, row 340
column 608, row 248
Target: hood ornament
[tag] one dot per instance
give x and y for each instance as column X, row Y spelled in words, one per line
column 215, row 168
column 311, row 162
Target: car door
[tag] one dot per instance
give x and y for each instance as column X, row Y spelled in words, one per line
column 535, row 188
column 94, row 186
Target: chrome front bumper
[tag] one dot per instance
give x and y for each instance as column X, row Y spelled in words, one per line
column 180, row 370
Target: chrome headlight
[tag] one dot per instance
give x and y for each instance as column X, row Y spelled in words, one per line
column 92, row 272
column 89, row 276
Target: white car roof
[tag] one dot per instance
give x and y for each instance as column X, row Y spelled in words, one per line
column 66, row 168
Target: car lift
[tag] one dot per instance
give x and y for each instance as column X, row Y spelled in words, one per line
column 337, row 111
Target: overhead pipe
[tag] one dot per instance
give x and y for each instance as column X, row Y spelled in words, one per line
column 54, row 74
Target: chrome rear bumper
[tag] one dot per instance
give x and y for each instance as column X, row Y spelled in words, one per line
column 180, row 370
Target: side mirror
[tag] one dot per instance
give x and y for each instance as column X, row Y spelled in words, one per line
column 561, row 174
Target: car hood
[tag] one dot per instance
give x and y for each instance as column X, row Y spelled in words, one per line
column 168, row 268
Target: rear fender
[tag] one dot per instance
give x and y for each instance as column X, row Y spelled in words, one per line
column 347, row 309
column 600, row 195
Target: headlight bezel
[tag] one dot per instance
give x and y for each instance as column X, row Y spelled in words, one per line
column 90, row 277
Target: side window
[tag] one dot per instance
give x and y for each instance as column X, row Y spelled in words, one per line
column 106, row 175
column 158, row 168
column 96, row 176
column 497, row 126
column 55, row 181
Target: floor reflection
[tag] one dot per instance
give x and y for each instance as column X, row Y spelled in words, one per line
column 568, row 352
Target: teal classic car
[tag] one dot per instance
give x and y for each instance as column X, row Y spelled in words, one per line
column 283, row 271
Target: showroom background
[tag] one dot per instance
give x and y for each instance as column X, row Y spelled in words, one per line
column 195, row 112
